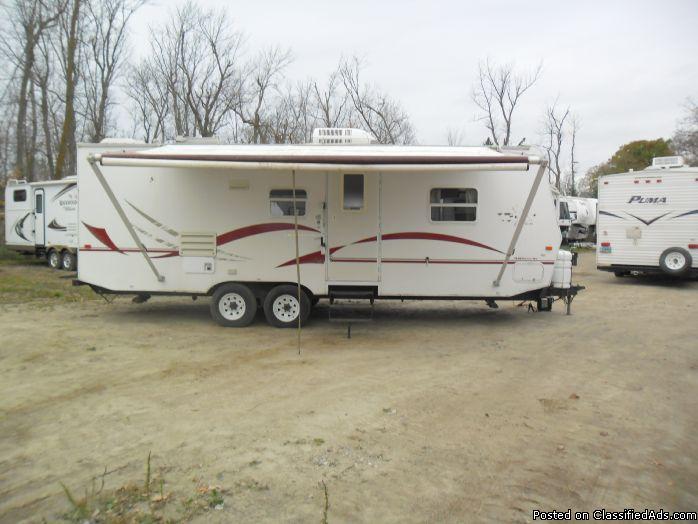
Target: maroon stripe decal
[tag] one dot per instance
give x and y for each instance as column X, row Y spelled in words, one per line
column 102, row 235
column 319, row 258
column 165, row 252
column 417, row 235
column 311, row 258
column 258, row 229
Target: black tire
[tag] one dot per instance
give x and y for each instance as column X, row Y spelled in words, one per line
column 233, row 305
column 314, row 301
column 53, row 259
column 69, row 261
column 279, row 305
column 675, row 262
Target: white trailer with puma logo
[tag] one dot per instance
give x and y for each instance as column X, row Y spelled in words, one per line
column 246, row 224
column 648, row 220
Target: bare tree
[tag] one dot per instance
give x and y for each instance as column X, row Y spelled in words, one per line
column 685, row 139
column 209, row 64
column 163, row 65
column 28, row 20
column 560, row 129
column 572, row 182
column 555, row 135
column 261, row 83
column 454, row 136
column 65, row 159
column 42, row 75
column 151, row 100
column 106, row 33
column 332, row 102
column 497, row 94
column 375, row 110
column 195, row 61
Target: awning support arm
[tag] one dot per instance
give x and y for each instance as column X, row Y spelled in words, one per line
column 522, row 221
column 92, row 159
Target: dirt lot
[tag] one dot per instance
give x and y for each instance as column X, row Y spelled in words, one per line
column 436, row 412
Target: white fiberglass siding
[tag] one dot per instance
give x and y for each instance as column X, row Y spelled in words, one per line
column 641, row 214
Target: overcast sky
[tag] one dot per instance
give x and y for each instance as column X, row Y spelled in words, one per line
column 626, row 67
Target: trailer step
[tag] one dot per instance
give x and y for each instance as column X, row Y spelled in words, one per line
column 350, row 311
column 351, row 305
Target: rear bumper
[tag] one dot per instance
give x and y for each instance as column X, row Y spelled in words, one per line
column 648, row 270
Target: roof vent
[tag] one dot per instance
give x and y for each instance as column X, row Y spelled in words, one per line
column 342, row 136
column 664, row 162
column 197, row 140
column 120, row 141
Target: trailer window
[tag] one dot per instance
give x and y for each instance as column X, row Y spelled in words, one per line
column 39, row 207
column 281, row 202
column 453, row 204
column 353, row 198
column 564, row 211
column 19, row 195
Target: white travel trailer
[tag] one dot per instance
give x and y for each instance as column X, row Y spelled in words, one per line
column 648, row 220
column 19, row 216
column 372, row 222
column 582, row 212
column 564, row 220
column 41, row 218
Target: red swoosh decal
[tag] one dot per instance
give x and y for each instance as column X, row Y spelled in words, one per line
column 257, row 229
column 318, row 258
column 416, row 235
column 102, row 235
column 311, row 258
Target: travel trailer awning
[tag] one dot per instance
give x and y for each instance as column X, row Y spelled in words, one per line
column 310, row 158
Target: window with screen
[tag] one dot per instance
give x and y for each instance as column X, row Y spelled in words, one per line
column 39, row 208
column 19, row 195
column 353, row 194
column 281, row 202
column 453, row 204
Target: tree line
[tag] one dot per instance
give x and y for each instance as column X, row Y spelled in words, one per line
column 68, row 76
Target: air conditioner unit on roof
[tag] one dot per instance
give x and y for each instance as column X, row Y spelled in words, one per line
column 342, row 136
column 667, row 161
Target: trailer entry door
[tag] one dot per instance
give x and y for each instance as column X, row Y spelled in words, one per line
column 352, row 227
column 39, row 221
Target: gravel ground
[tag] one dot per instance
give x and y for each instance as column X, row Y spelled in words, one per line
column 436, row 411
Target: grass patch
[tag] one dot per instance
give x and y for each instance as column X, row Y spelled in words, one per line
column 21, row 284
column 9, row 257
column 140, row 502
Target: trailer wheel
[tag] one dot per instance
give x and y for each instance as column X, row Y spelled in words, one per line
column 281, row 306
column 54, row 259
column 675, row 261
column 233, row 305
column 68, row 261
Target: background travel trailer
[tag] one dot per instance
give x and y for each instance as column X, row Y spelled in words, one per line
column 41, row 218
column 564, row 220
column 373, row 221
column 648, row 220
column 582, row 216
